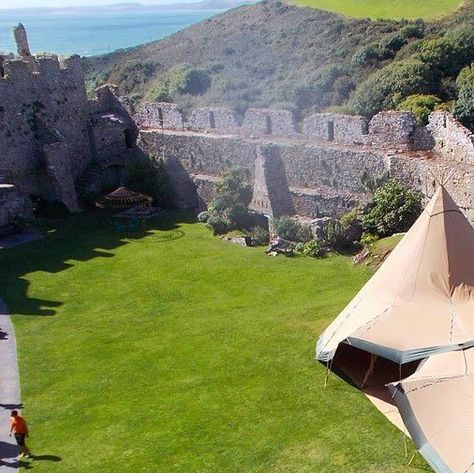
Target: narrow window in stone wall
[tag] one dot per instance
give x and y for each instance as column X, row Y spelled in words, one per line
column 160, row 117
column 444, row 121
column 331, row 131
column 268, row 130
column 129, row 138
column 212, row 120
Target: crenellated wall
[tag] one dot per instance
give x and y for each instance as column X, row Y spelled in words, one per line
column 388, row 129
column 317, row 177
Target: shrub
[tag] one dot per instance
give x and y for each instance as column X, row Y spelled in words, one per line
column 314, row 249
column 185, row 80
column 393, row 42
column 464, row 106
column 413, row 31
column 351, row 223
column 420, row 105
column 334, row 235
column 218, row 225
column 368, row 239
column 393, row 208
column 260, row 236
column 238, row 216
column 388, row 86
column 236, row 183
column 203, row 217
column 289, row 229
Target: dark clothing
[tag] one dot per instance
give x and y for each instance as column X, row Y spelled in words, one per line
column 20, row 439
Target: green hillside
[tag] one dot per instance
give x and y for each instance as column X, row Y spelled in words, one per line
column 277, row 55
column 394, row 9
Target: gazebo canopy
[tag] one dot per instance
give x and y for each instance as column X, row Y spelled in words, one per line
column 123, row 198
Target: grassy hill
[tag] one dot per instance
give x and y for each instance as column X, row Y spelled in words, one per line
column 273, row 54
column 394, row 9
column 174, row 352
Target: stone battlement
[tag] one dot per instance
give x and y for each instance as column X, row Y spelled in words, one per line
column 388, row 129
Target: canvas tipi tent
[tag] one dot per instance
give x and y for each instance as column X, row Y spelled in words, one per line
column 421, row 300
column 419, row 305
column 437, row 405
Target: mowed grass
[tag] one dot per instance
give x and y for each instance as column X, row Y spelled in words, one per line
column 395, row 9
column 177, row 352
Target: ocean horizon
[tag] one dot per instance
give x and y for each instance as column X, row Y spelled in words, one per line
column 92, row 33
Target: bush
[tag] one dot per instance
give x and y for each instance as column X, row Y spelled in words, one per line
column 289, row 229
column 260, row 236
column 236, row 183
column 218, row 225
column 388, row 86
column 238, row 216
column 393, row 209
column 334, row 235
column 413, row 31
column 203, row 217
column 314, row 249
column 185, row 80
column 420, row 105
column 352, row 225
column 464, row 106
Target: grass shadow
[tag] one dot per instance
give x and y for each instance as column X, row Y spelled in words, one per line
column 80, row 237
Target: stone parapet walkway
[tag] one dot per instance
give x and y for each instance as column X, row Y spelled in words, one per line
column 9, row 392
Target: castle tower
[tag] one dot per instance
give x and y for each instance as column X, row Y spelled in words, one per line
column 21, row 40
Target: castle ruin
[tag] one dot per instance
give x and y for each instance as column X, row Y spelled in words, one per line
column 322, row 166
column 51, row 134
column 57, row 144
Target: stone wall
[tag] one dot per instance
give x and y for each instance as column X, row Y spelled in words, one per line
column 13, row 206
column 159, row 115
column 453, row 141
column 298, row 177
column 317, row 180
column 50, row 132
column 386, row 130
column 222, row 119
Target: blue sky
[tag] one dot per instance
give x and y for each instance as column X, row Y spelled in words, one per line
column 64, row 3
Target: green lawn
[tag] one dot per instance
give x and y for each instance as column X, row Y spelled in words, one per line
column 176, row 352
column 394, row 9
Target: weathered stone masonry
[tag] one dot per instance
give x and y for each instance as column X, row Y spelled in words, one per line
column 50, row 133
column 318, row 171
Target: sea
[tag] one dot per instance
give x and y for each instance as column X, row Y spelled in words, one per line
column 90, row 34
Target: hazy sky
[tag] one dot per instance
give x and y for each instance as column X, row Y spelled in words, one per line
column 65, row 3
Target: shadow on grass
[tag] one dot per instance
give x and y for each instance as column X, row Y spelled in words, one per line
column 80, row 237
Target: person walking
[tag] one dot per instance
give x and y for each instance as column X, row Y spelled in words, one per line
column 19, row 429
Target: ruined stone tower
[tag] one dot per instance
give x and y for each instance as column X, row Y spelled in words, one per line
column 21, row 40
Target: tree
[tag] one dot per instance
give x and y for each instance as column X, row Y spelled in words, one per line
column 420, row 105
column 393, row 209
column 390, row 85
column 464, row 105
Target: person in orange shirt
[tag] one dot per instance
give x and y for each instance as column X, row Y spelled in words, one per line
column 19, row 428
